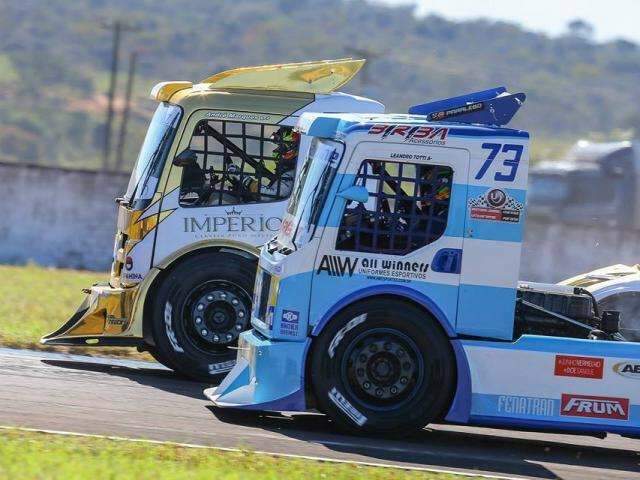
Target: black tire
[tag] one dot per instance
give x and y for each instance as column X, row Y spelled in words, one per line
column 194, row 323
column 354, row 383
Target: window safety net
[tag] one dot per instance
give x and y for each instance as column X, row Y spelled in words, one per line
column 408, row 207
column 232, row 156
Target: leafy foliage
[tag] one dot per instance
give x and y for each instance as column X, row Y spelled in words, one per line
column 55, row 56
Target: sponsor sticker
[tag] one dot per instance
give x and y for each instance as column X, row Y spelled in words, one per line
column 289, row 323
column 518, row 405
column 221, row 367
column 354, row 322
column 239, row 116
column 581, row 367
column 428, row 135
column 495, row 205
column 628, row 369
column 133, row 276
column 233, row 222
column 349, row 410
column 610, row 408
column 454, row 112
column 168, row 325
column 116, row 321
column 338, row 266
column 268, row 318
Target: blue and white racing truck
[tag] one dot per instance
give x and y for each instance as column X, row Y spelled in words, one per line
column 390, row 297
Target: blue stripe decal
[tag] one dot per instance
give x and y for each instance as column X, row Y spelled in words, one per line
column 331, row 294
column 486, row 311
column 461, row 404
column 488, row 421
column 455, row 129
column 569, row 346
column 536, row 411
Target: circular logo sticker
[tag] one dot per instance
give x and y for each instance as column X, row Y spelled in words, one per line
column 496, row 198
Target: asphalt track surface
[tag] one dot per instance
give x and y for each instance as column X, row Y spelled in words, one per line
column 144, row 401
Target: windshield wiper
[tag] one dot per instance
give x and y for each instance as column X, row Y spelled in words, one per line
column 311, row 201
column 315, row 209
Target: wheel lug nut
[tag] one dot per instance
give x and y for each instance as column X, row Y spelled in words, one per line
column 216, row 338
column 223, row 296
column 393, row 390
column 204, row 332
column 234, row 301
column 379, row 392
column 238, row 326
column 200, row 307
column 403, row 380
column 198, row 320
column 360, row 372
column 366, row 385
column 209, row 297
column 240, row 314
column 229, row 337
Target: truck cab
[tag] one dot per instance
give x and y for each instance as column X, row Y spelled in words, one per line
column 390, row 297
column 210, row 185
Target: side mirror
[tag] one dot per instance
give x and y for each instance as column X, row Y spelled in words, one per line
column 185, row 158
column 355, row 193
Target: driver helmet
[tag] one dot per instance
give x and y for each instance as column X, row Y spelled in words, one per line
column 287, row 143
column 435, row 185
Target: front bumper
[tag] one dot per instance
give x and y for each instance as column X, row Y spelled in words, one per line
column 268, row 375
column 103, row 319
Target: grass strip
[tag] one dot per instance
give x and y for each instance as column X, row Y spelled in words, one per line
column 33, row 455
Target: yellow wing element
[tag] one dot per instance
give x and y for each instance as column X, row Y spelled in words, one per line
column 163, row 91
column 322, row 76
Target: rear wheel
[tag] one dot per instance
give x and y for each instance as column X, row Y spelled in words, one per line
column 199, row 311
column 383, row 366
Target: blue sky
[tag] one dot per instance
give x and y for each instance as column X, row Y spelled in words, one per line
column 611, row 18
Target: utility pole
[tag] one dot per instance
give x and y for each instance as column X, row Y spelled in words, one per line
column 118, row 28
column 133, row 57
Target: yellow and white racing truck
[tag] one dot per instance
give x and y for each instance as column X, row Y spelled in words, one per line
column 210, row 186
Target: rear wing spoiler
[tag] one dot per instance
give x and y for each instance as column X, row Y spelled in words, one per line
column 495, row 106
column 318, row 77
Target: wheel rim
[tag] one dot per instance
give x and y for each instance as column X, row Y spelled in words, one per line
column 214, row 315
column 382, row 368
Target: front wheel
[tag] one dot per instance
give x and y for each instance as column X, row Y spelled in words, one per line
column 199, row 311
column 383, row 366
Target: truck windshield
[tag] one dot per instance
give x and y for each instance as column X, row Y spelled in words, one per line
column 156, row 145
column 310, row 193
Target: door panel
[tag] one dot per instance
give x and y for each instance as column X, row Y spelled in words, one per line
column 406, row 237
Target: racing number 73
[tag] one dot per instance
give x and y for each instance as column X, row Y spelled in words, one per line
column 510, row 163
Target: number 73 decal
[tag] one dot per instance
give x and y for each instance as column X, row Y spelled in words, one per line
column 510, row 162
